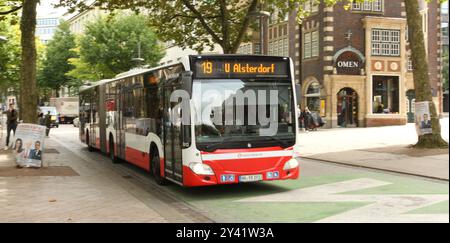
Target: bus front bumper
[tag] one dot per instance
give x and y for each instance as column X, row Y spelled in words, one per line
column 220, row 177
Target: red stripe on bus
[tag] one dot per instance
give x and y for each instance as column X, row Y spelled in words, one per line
column 137, row 158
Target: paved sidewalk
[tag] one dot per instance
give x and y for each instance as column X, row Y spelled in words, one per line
column 384, row 148
column 394, row 159
column 91, row 194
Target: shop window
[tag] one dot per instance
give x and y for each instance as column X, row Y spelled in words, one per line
column 313, row 97
column 386, row 95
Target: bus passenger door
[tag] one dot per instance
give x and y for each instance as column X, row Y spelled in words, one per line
column 120, row 129
column 172, row 137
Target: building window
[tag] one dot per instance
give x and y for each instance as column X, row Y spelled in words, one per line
column 257, row 48
column 307, row 46
column 313, row 97
column 385, row 42
column 368, row 6
column 386, row 95
column 279, row 47
column 311, row 44
column 245, row 49
column 311, row 7
column 279, row 40
column 409, row 64
column 315, row 44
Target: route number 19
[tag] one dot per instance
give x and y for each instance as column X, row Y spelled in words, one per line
column 207, row 67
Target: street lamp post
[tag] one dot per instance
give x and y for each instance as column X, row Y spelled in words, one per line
column 261, row 15
column 139, row 60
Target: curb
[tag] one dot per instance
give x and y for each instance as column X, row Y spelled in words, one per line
column 375, row 168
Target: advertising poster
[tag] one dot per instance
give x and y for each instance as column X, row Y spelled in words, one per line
column 423, row 118
column 28, row 145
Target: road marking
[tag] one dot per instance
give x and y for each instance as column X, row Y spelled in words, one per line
column 381, row 208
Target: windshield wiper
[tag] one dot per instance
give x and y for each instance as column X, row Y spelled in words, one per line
column 215, row 146
column 283, row 143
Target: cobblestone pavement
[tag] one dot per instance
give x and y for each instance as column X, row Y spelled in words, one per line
column 98, row 194
column 106, row 192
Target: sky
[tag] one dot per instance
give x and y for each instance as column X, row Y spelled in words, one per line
column 46, row 8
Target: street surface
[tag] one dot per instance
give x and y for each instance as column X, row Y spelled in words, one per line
column 104, row 192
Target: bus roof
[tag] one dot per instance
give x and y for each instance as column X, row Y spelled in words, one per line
column 185, row 61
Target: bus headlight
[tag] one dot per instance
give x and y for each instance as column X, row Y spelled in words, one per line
column 291, row 164
column 201, row 169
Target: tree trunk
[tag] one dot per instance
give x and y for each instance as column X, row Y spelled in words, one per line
column 420, row 73
column 28, row 69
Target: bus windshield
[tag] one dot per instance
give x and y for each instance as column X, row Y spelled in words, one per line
column 232, row 113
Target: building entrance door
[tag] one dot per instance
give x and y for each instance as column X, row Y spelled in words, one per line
column 347, row 108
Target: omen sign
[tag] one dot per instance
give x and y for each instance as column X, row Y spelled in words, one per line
column 349, row 63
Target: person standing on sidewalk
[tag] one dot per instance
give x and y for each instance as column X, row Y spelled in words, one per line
column 41, row 119
column 11, row 123
column 48, row 122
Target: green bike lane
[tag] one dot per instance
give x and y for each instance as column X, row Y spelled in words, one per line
column 325, row 193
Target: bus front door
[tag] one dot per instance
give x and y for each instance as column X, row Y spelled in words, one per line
column 120, row 130
column 172, row 137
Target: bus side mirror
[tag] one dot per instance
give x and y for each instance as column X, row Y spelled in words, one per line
column 186, row 82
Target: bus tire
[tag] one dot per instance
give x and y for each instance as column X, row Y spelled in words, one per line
column 156, row 170
column 112, row 155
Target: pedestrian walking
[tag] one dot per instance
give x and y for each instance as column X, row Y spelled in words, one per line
column 41, row 119
column 11, row 123
column 48, row 123
column 306, row 117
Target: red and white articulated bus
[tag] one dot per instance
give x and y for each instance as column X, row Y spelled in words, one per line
column 202, row 142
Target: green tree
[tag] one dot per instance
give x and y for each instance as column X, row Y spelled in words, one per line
column 110, row 44
column 10, row 49
column 28, row 100
column 10, row 7
column 55, row 66
column 421, row 78
column 9, row 57
column 445, row 69
column 197, row 24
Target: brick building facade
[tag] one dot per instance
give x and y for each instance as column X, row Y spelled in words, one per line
column 355, row 67
column 353, row 64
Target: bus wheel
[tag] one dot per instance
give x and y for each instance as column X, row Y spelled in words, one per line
column 156, row 171
column 112, row 155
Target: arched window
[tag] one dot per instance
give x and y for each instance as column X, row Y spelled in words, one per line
column 313, row 96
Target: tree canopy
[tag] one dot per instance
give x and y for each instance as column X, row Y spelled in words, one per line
column 201, row 24
column 445, row 69
column 55, row 65
column 9, row 56
column 109, row 45
column 8, row 7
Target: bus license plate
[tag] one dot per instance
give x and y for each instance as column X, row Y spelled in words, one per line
column 250, row 178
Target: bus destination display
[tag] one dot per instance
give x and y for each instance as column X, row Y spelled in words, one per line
column 241, row 69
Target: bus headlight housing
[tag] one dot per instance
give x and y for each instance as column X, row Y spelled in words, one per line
column 201, row 169
column 291, row 164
